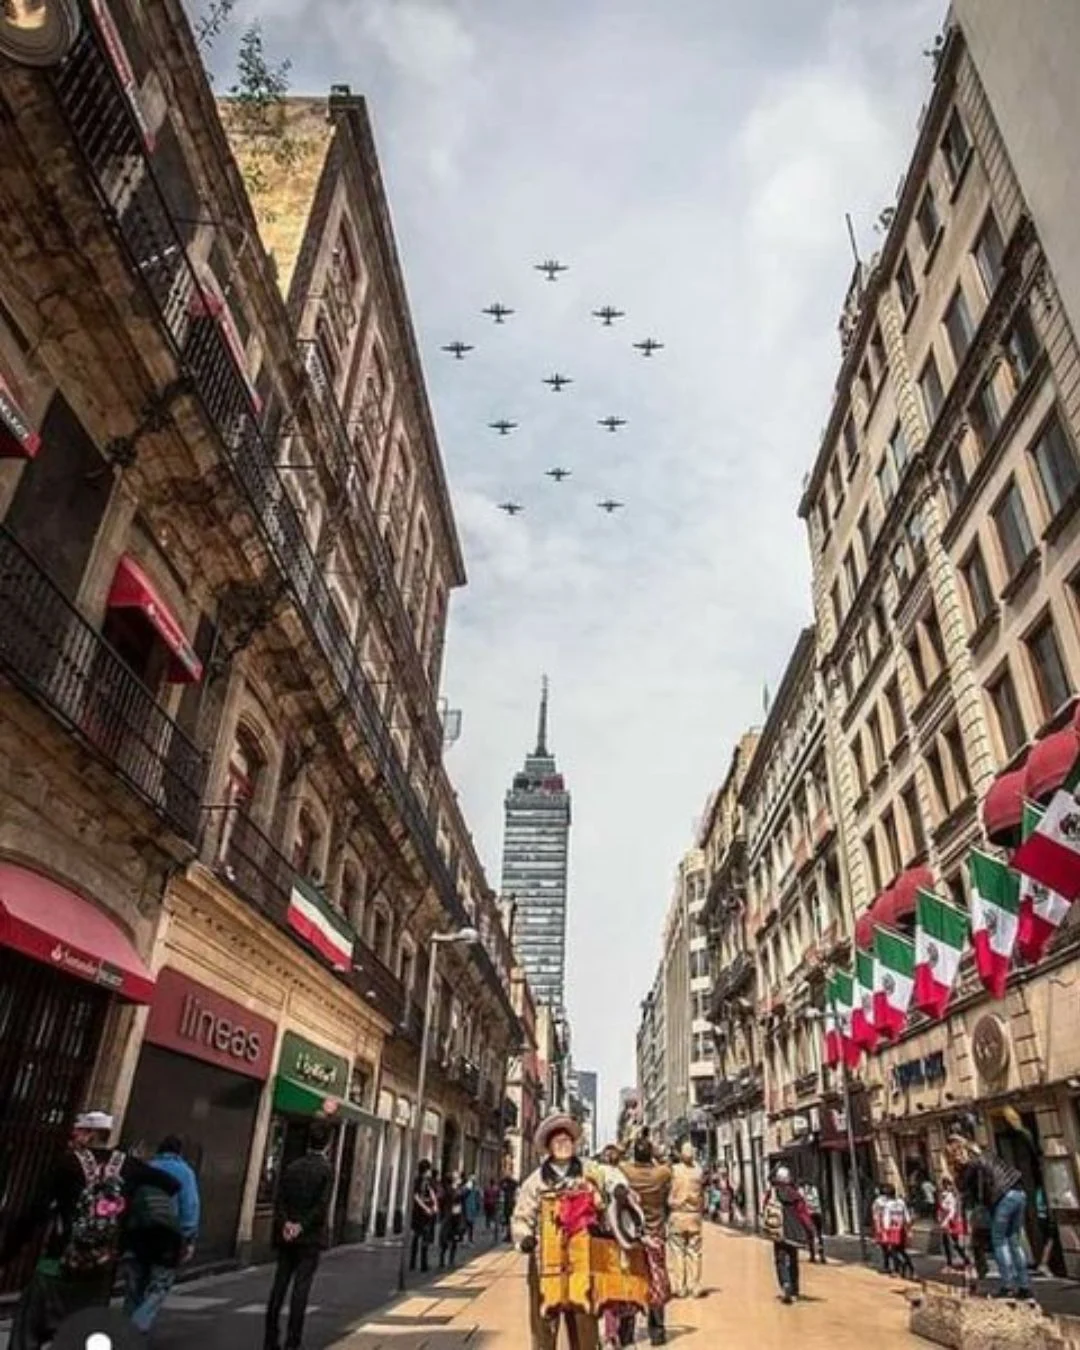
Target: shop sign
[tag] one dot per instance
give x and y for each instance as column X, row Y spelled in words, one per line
column 187, row 1017
column 86, row 967
column 922, row 1072
column 313, row 1066
column 385, row 1108
column 834, row 1122
column 431, row 1124
column 990, row 1047
column 403, row 1114
column 800, row 1127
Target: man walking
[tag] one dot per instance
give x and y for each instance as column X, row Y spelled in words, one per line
column 161, row 1235
column 651, row 1182
column 812, row 1197
column 687, row 1203
column 424, row 1210
column 300, row 1234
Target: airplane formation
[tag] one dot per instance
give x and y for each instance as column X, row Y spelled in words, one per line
column 607, row 315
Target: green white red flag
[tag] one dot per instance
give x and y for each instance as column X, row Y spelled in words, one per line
column 941, row 936
column 1042, row 911
column 839, row 1046
column 894, row 981
column 863, row 1031
column 311, row 916
column 1050, row 855
column 995, row 915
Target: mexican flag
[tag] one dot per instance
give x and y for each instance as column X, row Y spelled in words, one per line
column 312, row 917
column 941, row 935
column 839, row 1046
column 995, row 911
column 894, row 980
column 1042, row 911
column 863, row 1031
column 1050, row 855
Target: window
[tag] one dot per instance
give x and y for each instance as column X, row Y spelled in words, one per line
column 916, row 533
column 851, row 443
column 954, row 476
column 1022, row 345
column 837, row 605
column 937, row 778
column 851, row 573
column 901, row 564
column 1007, row 711
column 877, row 356
column 896, row 708
column 932, row 629
column 918, row 670
column 916, row 833
column 985, row 413
column 958, row 325
column 886, row 481
column 877, row 741
column 1013, row 528
column 955, row 147
column 977, row 581
column 899, row 449
column 928, row 220
column 823, row 517
column 1051, row 677
column 962, row 778
column 872, row 864
column 306, row 841
column 1055, row 460
column 892, row 841
column 989, row 251
column 905, row 284
column 859, row 763
column 930, row 387
column 866, row 535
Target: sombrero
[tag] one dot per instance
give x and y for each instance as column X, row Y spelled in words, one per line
column 555, row 1124
column 625, row 1218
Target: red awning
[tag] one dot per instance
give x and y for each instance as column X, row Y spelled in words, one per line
column 1050, row 761
column 1003, row 806
column 864, row 930
column 902, row 896
column 53, row 925
column 132, row 589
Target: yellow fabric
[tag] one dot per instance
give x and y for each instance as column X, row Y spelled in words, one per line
column 584, row 1273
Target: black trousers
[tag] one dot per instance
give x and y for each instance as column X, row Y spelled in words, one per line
column 420, row 1245
column 786, row 1260
column 296, row 1266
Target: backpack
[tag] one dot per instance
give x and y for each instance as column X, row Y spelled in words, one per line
column 94, row 1239
column 772, row 1217
column 151, row 1208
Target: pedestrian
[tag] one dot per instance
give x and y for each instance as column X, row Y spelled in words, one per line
column 817, row 1218
column 509, row 1193
column 896, row 1229
column 950, row 1218
column 1047, row 1232
column 161, row 1234
column 687, row 1205
column 877, row 1223
column 451, row 1219
column 491, row 1208
column 738, row 1205
column 471, row 1209
column 650, row 1181
column 300, row 1233
column 786, row 1221
column 986, row 1179
column 424, row 1216
column 81, row 1209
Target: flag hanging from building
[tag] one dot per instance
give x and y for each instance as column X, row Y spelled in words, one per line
column 1050, row 855
column 1042, row 911
column 839, row 1045
column 941, row 935
column 894, row 979
column 863, row 1031
column 995, row 912
column 311, row 916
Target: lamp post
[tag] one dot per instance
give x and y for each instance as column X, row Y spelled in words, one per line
column 465, row 936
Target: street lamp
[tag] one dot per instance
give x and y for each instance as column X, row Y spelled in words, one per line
column 464, row 937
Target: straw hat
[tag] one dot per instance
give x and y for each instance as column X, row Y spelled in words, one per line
column 559, row 1123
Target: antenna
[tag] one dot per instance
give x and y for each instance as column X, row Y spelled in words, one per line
column 541, row 730
column 851, row 237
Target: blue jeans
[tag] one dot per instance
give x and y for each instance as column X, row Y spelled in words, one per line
column 1006, row 1225
column 146, row 1287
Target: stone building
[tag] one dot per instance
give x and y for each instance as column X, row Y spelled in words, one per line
column 946, row 549
column 652, row 1101
column 226, row 547
column 524, row 1085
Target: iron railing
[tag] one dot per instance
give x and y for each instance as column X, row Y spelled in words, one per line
column 262, row 874
column 104, row 131
column 49, row 650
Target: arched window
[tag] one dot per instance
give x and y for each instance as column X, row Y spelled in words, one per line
column 351, row 901
column 380, row 933
column 306, row 845
column 247, row 765
column 407, row 967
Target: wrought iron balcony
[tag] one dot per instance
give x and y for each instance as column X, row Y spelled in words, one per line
column 807, row 1083
column 49, row 650
column 263, row 875
column 105, row 132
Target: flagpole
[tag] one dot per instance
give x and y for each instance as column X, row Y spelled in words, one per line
column 853, row 1157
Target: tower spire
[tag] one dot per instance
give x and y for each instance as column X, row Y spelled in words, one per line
column 541, row 728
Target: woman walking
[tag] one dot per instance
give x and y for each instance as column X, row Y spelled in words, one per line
column 786, row 1220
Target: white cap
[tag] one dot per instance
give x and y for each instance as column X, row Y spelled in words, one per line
column 782, row 1174
column 94, row 1120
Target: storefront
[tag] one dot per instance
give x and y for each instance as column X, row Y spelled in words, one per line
column 835, row 1141
column 65, row 966
column 200, row 1075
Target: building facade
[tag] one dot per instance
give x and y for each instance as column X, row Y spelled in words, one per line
column 536, row 853
column 652, row 1098
column 588, row 1095
column 525, row 1099
column 226, row 547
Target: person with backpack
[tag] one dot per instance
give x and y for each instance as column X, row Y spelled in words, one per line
column 81, row 1211
column 161, row 1234
column 786, row 1220
column 301, row 1221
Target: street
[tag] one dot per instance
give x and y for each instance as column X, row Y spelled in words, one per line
column 354, row 1304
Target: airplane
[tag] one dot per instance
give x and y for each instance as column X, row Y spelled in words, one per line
column 498, row 312
column 511, row 508
column 609, row 506
column 502, row 426
column 648, row 346
column 612, row 423
column 551, row 267
column 558, row 474
column 609, row 315
column 558, row 382
column 457, row 349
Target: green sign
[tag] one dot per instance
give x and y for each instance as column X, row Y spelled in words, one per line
column 312, row 1066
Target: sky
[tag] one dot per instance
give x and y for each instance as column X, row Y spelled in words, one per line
column 692, row 162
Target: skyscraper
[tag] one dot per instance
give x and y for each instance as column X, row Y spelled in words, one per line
column 535, row 856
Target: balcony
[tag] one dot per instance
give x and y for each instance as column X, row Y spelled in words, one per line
column 740, row 1090
column 808, row 1084
column 733, row 977
column 262, row 874
column 49, row 650
column 108, row 138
